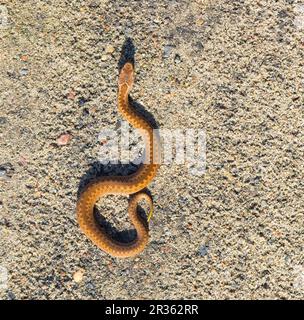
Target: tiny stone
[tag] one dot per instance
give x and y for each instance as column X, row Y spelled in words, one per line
column 78, row 275
column 6, row 170
column 3, row 120
column 234, row 172
column 2, row 173
column 199, row 46
column 199, row 22
column 71, row 95
column 104, row 57
column 94, row 4
column 167, row 51
column 22, row 161
column 86, row 112
column 282, row 14
column 203, row 251
column 177, row 58
column 82, row 102
column 64, row 139
column 23, row 72
column 12, row 74
column 24, row 58
column 109, row 49
column 11, row 295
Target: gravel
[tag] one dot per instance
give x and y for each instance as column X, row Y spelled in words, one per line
column 231, row 68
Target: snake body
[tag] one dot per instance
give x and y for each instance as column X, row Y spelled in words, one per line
column 123, row 185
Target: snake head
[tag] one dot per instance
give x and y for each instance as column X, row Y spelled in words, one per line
column 126, row 75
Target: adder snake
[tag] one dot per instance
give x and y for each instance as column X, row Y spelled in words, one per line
column 123, row 185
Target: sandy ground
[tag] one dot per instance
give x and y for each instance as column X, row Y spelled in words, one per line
column 231, row 68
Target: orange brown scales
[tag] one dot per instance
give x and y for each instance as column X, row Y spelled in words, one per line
column 128, row 185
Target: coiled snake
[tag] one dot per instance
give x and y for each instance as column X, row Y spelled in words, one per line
column 124, row 185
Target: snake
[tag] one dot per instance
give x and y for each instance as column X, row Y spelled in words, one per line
column 132, row 185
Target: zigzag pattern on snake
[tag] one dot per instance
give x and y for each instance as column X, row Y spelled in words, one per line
column 123, row 185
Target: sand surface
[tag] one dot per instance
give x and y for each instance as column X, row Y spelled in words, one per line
column 231, row 68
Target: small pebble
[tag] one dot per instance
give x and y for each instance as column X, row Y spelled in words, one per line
column 3, row 120
column 94, row 4
column 2, row 173
column 104, row 57
column 177, row 59
column 86, row 112
column 203, row 251
column 64, row 139
column 199, row 22
column 24, row 58
column 6, row 170
column 78, row 275
column 23, row 72
column 110, row 49
column 82, row 102
column 199, row 45
column 71, row 95
column 167, row 51
column 282, row 14
column 22, row 161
